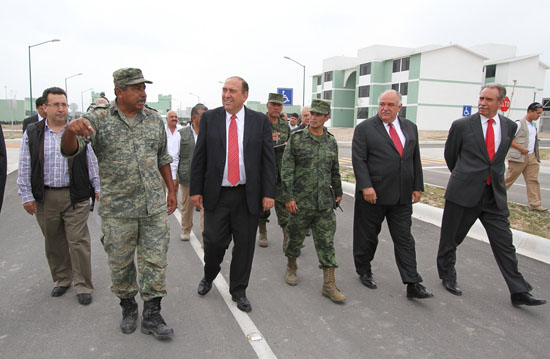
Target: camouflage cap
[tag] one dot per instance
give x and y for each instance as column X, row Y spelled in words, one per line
column 320, row 106
column 275, row 98
column 128, row 76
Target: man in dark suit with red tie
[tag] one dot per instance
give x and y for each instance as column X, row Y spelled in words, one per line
column 388, row 173
column 475, row 151
column 233, row 177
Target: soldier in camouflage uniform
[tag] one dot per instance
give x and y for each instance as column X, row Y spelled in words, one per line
column 129, row 140
column 310, row 169
column 280, row 134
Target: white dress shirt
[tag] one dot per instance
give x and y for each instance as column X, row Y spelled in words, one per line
column 173, row 148
column 532, row 136
column 397, row 127
column 240, row 133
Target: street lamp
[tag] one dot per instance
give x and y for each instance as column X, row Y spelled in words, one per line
column 198, row 98
column 303, row 79
column 30, row 77
column 70, row 77
column 82, row 98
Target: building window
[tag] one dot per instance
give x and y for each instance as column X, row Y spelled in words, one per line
column 318, row 80
column 403, row 112
column 364, row 69
column 396, row 65
column 395, row 87
column 327, row 95
column 328, row 76
column 363, row 112
column 364, row 91
column 319, row 95
column 490, row 71
column 405, row 63
column 404, row 88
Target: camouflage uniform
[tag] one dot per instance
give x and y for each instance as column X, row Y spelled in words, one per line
column 133, row 204
column 310, row 168
column 280, row 126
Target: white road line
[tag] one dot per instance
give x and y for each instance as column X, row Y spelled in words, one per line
column 249, row 329
column 433, row 167
column 522, row 185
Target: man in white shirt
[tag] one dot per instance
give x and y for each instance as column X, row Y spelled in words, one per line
column 173, row 143
column 523, row 157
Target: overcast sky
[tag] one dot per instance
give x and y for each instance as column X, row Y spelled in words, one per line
column 189, row 46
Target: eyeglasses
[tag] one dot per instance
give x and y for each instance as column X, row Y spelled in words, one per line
column 58, row 105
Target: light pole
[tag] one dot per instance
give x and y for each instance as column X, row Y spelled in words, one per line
column 82, row 98
column 30, row 77
column 70, row 77
column 303, row 79
column 198, row 98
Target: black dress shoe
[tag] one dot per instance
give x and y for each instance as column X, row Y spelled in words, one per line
column 452, row 286
column 418, row 291
column 59, row 291
column 242, row 303
column 526, row 299
column 204, row 287
column 368, row 281
column 84, row 298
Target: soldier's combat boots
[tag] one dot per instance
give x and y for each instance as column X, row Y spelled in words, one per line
column 329, row 287
column 285, row 237
column 262, row 225
column 291, row 277
column 129, row 315
column 152, row 322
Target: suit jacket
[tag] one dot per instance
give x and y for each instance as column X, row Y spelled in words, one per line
column 376, row 162
column 468, row 160
column 210, row 154
column 3, row 166
column 29, row 120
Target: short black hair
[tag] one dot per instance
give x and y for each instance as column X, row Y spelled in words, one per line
column 53, row 91
column 198, row 107
column 534, row 106
column 39, row 101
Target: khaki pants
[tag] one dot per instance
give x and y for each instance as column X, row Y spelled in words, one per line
column 187, row 211
column 530, row 170
column 67, row 239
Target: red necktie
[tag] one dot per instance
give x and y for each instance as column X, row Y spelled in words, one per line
column 490, row 143
column 396, row 140
column 233, row 152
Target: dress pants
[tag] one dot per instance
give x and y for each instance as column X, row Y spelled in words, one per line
column 67, row 239
column 187, row 210
column 456, row 223
column 530, row 170
column 230, row 220
column 367, row 222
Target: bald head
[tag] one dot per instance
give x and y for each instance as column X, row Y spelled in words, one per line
column 172, row 120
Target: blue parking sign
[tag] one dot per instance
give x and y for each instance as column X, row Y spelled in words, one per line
column 466, row 110
column 287, row 95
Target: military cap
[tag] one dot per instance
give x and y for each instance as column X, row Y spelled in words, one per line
column 128, row 76
column 275, row 98
column 320, row 106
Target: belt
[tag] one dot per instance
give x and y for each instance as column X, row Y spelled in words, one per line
column 56, row 188
column 233, row 187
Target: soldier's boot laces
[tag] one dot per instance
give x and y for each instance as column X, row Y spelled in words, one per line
column 262, row 225
column 329, row 287
column 291, row 278
column 285, row 237
column 129, row 315
column 152, row 322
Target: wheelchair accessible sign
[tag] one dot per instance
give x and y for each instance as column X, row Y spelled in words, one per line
column 287, row 95
column 466, row 110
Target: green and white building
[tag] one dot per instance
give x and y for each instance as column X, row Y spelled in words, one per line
column 436, row 82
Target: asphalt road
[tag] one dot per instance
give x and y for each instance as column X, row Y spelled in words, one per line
column 295, row 322
column 436, row 172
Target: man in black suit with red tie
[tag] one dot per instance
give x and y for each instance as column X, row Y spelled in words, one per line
column 233, row 177
column 388, row 173
column 475, row 151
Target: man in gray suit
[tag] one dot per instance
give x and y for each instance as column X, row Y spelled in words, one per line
column 475, row 151
column 388, row 173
